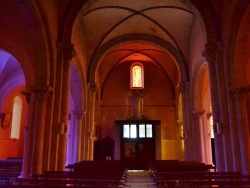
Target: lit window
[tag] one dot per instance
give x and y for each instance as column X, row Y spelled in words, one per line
column 16, row 117
column 149, row 131
column 142, row 131
column 125, row 131
column 133, row 131
column 137, row 76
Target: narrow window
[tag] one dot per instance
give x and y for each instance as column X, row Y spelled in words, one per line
column 149, row 130
column 142, row 130
column 125, row 131
column 16, row 117
column 136, row 76
column 133, row 131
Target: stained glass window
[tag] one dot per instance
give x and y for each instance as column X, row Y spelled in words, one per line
column 137, row 76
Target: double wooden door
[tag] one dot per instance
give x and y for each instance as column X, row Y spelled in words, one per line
column 137, row 142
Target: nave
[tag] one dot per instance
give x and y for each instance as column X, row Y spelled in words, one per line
column 120, row 174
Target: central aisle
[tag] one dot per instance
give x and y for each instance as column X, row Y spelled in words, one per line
column 139, row 179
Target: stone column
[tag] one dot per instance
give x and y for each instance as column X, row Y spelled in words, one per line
column 78, row 135
column 197, row 134
column 180, row 137
column 41, row 96
column 91, row 127
column 184, row 89
column 243, row 128
column 68, row 54
column 84, row 138
column 27, row 154
column 211, row 55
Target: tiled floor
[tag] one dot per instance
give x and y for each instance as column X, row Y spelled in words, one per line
column 139, row 179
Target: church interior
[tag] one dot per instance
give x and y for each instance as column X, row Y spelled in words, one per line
column 128, row 81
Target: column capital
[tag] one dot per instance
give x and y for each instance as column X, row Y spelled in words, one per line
column 239, row 92
column 209, row 114
column 42, row 93
column 179, row 122
column 211, row 49
column 182, row 87
column 93, row 86
column 78, row 114
column 68, row 51
column 198, row 113
column 27, row 95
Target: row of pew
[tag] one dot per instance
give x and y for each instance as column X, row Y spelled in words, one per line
column 88, row 174
column 10, row 169
column 196, row 175
column 107, row 174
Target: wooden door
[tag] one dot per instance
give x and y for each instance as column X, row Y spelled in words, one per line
column 138, row 143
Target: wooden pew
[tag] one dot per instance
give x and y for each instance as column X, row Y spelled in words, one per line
column 10, row 169
column 87, row 174
column 201, row 179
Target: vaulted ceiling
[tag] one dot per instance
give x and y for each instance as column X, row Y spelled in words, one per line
column 124, row 31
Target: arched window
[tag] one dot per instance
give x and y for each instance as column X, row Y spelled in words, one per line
column 136, row 76
column 16, row 117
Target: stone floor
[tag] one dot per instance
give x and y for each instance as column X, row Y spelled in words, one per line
column 139, row 179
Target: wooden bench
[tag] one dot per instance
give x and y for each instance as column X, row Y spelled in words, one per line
column 89, row 174
column 201, row 179
column 69, row 179
column 10, row 169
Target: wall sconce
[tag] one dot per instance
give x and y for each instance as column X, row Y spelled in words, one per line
column 218, row 128
column 5, row 119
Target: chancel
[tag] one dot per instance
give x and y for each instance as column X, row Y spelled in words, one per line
column 155, row 91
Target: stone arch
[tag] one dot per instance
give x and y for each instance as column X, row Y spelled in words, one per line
column 21, row 56
column 200, row 94
column 133, row 38
column 241, row 62
column 197, row 84
column 75, row 114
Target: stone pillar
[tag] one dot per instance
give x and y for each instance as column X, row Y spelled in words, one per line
column 91, row 127
column 243, row 128
column 234, row 132
column 197, row 134
column 84, row 138
column 68, row 54
column 78, row 135
column 27, row 154
column 211, row 55
column 41, row 96
column 184, row 89
column 180, row 137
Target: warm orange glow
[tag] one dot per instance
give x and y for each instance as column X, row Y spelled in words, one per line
column 137, row 76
